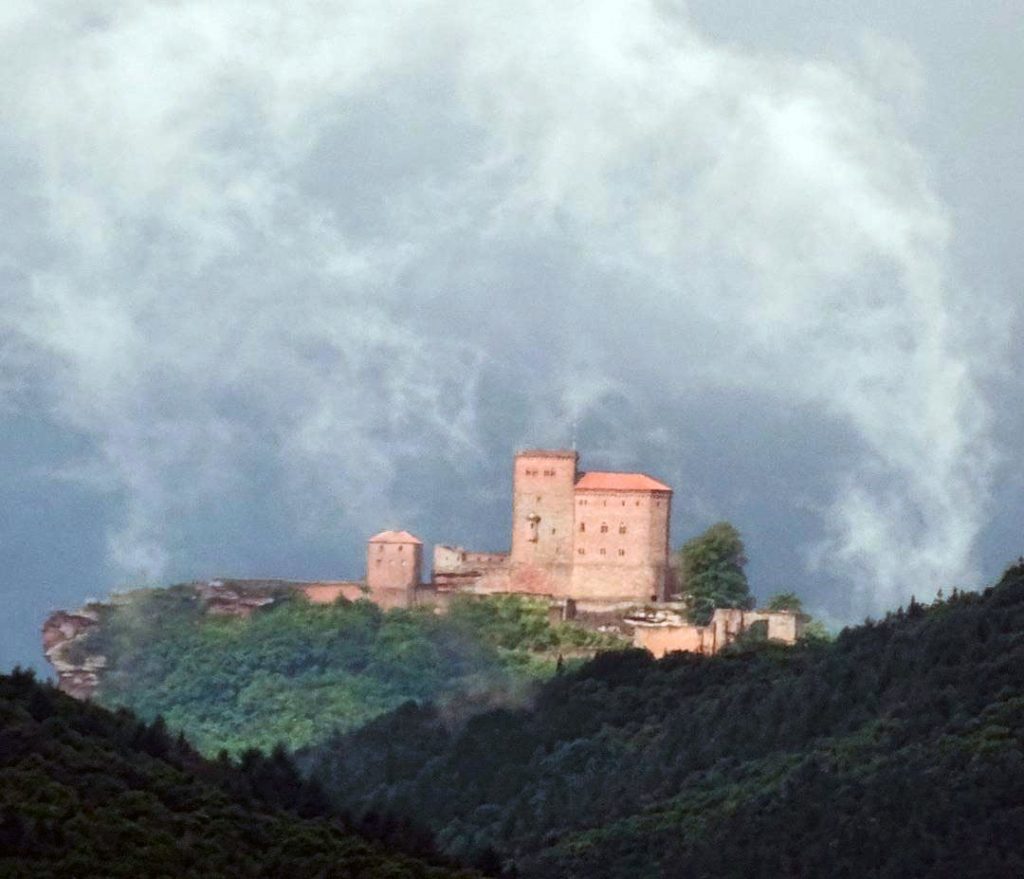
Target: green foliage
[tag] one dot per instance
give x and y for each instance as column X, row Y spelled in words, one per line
column 711, row 572
column 911, row 730
column 786, row 601
column 816, row 632
column 88, row 793
column 296, row 672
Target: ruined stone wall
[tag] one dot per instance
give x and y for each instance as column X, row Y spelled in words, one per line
column 662, row 640
column 726, row 626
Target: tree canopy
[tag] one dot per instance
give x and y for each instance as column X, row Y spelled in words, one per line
column 711, row 572
column 296, row 672
column 894, row 750
column 86, row 792
column 786, row 601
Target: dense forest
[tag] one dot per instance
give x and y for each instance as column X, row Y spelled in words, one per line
column 295, row 672
column 895, row 750
column 85, row 792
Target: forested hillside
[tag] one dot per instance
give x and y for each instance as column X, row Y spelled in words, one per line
column 296, row 672
column 896, row 750
column 87, row 793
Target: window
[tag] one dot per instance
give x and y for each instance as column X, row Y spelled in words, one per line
column 581, row 551
column 552, row 530
column 623, row 503
column 604, row 527
column 622, row 528
column 638, row 503
column 538, row 499
column 602, row 550
column 622, row 552
column 400, row 548
column 380, row 547
column 379, row 561
column 583, row 527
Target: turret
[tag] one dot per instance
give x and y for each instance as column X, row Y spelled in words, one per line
column 394, row 560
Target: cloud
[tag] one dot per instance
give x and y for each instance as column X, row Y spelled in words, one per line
column 355, row 234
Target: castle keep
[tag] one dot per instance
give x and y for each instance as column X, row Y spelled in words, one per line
column 593, row 541
column 593, row 544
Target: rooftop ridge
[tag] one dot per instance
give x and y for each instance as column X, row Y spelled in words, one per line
column 611, row 480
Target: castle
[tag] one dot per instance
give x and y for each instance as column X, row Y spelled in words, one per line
column 592, row 541
column 593, row 544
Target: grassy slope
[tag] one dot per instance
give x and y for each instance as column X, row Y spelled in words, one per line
column 898, row 750
column 296, row 672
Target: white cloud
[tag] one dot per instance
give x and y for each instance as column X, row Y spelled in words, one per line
column 305, row 238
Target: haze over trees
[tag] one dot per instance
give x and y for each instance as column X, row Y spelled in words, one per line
column 296, row 672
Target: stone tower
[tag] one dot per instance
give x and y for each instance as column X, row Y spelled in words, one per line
column 621, row 539
column 394, row 560
column 543, row 486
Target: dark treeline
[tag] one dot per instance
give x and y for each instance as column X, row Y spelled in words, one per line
column 895, row 750
column 87, row 792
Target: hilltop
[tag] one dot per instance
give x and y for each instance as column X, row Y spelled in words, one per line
column 240, row 669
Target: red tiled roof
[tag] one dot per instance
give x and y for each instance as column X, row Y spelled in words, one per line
column 395, row 537
column 598, row 480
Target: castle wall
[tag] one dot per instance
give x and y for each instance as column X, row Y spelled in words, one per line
column 662, row 640
column 543, row 486
column 725, row 627
column 329, row 592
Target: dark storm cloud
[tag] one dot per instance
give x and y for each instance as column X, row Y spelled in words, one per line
column 300, row 275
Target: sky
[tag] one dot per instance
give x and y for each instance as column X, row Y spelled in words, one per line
column 273, row 278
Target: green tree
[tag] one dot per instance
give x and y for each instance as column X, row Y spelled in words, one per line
column 786, row 601
column 711, row 572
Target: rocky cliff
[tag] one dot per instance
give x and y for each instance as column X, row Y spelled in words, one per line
column 65, row 633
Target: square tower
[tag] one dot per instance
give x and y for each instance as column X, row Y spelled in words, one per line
column 621, row 538
column 394, row 560
column 543, row 485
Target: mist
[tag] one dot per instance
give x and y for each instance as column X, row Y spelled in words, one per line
column 274, row 281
